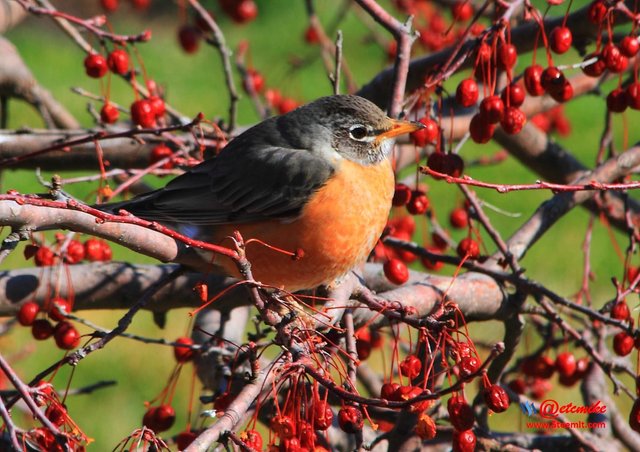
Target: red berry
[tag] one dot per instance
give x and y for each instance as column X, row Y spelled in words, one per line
column 202, row 24
column 541, row 366
column 425, row 427
column 432, row 264
column 464, row 441
column 620, row 311
column 480, row 130
column 389, row 391
column 396, row 271
column 41, row 329
column 634, row 416
column 410, row 367
column 311, row 35
column 513, row 95
column 241, row 11
column 428, row 134
column 492, row 109
column 439, row 241
column 322, row 415
column 469, row 365
column 411, row 392
column 484, row 54
column 496, row 399
column 595, row 69
column 28, row 313
column 256, row 79
column 161, row 152
column 59, row 304
column 633, row 95
column 140, row 5
column 350, row 419
column 66, row 336
column 56, row 413
column 95, row 65
column 597, row 12
column 109, row 5
column 143, row 113
column 507, row 56
column 286, row 105
column 532, row 80
column 107, row 254
column 184, row 439
column 419, row 203
column 183, row 354
column 566, row 364
column 539, row 388
column 446, row 163
column 401, row 195
column 617, row 100
column 611, row 56
column 467, row 92
column 93, row 250
column 564, row 94
column 468, row 248
column 513, row 120
column 462, row 10
column 158, row 105
column 518, row 386
column 560, row 39
column 582, row 366
column 189, row 38
column 44, row 257
column 363, row 344
column 552, row 80
column 459, row 218
column 629, row 46
column 622, row 344
column 273, row 97
column 460, row 413
column 118, row 61
column 109, row 113
column 75, row 252
column 159, row 418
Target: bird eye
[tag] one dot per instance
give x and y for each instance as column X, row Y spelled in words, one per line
column 358, row 132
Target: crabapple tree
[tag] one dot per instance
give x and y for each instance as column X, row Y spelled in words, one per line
column 514, row 208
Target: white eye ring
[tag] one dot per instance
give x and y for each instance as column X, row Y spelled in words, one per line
column 359, row 132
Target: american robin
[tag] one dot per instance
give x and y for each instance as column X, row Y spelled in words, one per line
column 316, row 179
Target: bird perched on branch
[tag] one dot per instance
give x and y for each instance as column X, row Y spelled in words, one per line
column 317, row 179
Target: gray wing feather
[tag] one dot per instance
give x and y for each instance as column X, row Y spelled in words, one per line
column 242, row 184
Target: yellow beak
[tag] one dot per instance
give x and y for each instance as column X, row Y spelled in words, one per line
column 399, row 127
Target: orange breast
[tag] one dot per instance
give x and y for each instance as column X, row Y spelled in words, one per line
column 337, row 230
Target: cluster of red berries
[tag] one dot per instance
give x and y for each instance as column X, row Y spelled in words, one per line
column 435, row 31
column 93, row 250
column 282, row 104
column 297, row 431
column 402, row 228
column 145, row 112
column 538, row 370
column 64, row 333
column 56, row 412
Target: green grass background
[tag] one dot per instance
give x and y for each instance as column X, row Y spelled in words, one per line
column 194, row 84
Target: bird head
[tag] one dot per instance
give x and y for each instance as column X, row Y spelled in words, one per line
column 349, row 126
